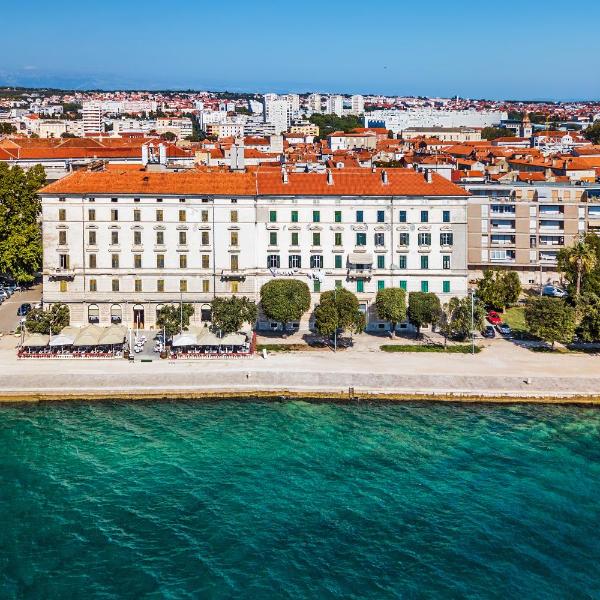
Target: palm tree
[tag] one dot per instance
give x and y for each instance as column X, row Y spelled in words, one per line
column 581, row 257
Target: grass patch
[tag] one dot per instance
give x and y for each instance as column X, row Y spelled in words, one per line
column 453, row 349
column 515, row 318
column 281, row 347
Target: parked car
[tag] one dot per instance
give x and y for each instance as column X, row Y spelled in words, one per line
column 488, row 332
column 4, row 294
column 553, row 291
column 23, row 309
column 493, row 317
column 504, row 329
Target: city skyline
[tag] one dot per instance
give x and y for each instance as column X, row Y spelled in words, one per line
column 488, row 53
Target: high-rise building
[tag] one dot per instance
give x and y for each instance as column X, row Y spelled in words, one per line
column 335, row 105
column 358, row 104
column 92, row 118
column 277, row 112
column 314, row 103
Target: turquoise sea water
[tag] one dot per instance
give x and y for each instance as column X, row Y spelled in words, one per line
column 299, row 500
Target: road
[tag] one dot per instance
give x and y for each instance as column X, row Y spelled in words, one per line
column 8, row 309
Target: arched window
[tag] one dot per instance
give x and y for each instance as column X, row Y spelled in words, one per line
column 116, row 313
column 93, row 313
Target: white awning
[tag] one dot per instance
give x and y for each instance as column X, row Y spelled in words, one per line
column 356, row 258
column 88, row 336
column 114, row 334
column 36, row 340
column 65, row 338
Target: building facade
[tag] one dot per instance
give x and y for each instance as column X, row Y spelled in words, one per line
column 118, row 245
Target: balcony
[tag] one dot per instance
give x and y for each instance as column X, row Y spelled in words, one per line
column 60, row 273
column 233, row 274
column 360, row 272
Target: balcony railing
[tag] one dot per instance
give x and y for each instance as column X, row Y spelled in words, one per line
column 360, row 273
column 232, row 274
column 60, row 273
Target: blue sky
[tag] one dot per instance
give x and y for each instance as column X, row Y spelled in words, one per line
column 529, row 49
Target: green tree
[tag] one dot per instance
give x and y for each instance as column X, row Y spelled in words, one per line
column 499, row 289
column 7, row 129
column 493, row 133
column 456, row 318
column 338, row 310
column 174, row 317
column 423, row 308
column 592, row 133
column 589, row 310
column 168, row 136
column 391, row 306
column 550, row 319
column 285, row 300
column 229, row 314
column 328, row 123
column 52, row 320
column 511, row 287
column 577, row 261
column 67, row 135
column 20, row 232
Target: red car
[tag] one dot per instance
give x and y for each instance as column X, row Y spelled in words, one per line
column 493, row 317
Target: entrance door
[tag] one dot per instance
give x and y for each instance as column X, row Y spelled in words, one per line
column 138, row 316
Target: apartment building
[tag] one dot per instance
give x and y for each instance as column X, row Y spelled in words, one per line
column 335, row 105
column 522, row 227
column 119, row 244
column 92, row 118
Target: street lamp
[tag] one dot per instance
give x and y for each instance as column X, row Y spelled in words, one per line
column 472, row 294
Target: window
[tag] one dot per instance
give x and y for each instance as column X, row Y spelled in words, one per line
column 114, row 199
column 338, row 261
column 424, row 216
column 446, row 262
column 136, row 199
column 160, row 238
column 446, row 216
column 114, row 259
column 93, row 285
column 183, row 261
column 114, row 238
column 338, row 238
column 272, row 238
column 402, row 216
column 92, row 261
column 234, row 287
column 402, row 284
column 294, row 216
column 63, row 287
column 137, row 215
column 159, row 214
column 159, row 199
column 360, row 286
column 361, row 239
column 138, row 285
column 62, row 214
column 63, row 261
column 137, row 261
column 424, row 262
column 273, row 261
column 381, row 261
column 137, row 238
column 446, row 239
column 233, row 238
column 183, row 285
column 205, row 238
column 114, row 214
column 233, row 216
column 316, row 286
column 380, row 216
column 295, row 261
column 160, row 285
column 234, row 261
column 62, row 238
column 338, row 284
column 316, row 261
column 206, row 285
column 182, row 216
column 380, row 239
column 115, row 285
column 424, row 286
column 160, row 261
column 182, row 238
column 294, row 238
column 316, row 216
column 204, row 216
column 91, row 214
column 403, row 239
column 337, row 216
column 402, row 261
column 446, row 286
column 380, row 284
column 359, row 216
column 424, row 239
column 316, row 239
column 272, row 216
column 205, row 261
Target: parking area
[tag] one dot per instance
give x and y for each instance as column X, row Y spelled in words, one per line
column 9, row 319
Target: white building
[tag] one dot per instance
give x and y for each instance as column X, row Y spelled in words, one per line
column 335, row 105
column 277, row 112
column 119, row 244
column 357, row 104
column 92, row 118
column 314, row 104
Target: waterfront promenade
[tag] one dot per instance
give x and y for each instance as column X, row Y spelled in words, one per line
column 502, row 371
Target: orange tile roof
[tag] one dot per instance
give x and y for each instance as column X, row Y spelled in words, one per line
column 264, row 181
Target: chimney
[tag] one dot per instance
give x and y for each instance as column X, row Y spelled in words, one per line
column 384, row 177
column 284, row 175
column 428, row 176
column 329, row 177
column 145, row 154
column 162, row 154
column 373, row 169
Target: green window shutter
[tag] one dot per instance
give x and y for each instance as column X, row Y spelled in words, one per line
column 424, row 286
column 381, row 284
column 403, row 284
column 446, row 287
column 273, row 216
